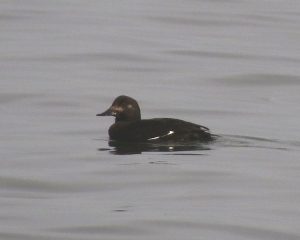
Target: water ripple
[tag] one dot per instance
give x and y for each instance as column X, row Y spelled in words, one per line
column 229, row 55
column 256, row 232
column 261, row 80
column 103, row 230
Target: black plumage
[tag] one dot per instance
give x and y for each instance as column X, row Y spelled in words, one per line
column 129, row 126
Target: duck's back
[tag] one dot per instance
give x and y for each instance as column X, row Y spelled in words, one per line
column 158, row 129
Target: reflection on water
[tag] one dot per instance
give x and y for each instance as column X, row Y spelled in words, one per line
column 195, row 147
column 121, row 148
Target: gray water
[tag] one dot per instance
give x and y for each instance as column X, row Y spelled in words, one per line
column 232, row 66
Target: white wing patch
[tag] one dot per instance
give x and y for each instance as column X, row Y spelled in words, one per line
column 169, row 133
column 153, row 138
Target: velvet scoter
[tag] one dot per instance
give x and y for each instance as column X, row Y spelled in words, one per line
column 130, row 127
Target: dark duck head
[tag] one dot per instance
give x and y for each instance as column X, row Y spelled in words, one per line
column 123, row 108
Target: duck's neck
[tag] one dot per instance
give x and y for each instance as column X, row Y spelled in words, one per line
column 120, row 118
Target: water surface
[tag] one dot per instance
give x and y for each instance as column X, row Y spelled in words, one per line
column 232, row 66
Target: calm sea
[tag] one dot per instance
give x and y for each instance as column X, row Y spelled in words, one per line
column 233, row 66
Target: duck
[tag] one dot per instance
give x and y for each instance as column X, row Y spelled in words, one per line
column 130, row 127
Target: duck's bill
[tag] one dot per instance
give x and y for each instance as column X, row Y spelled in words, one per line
column 108, row 112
